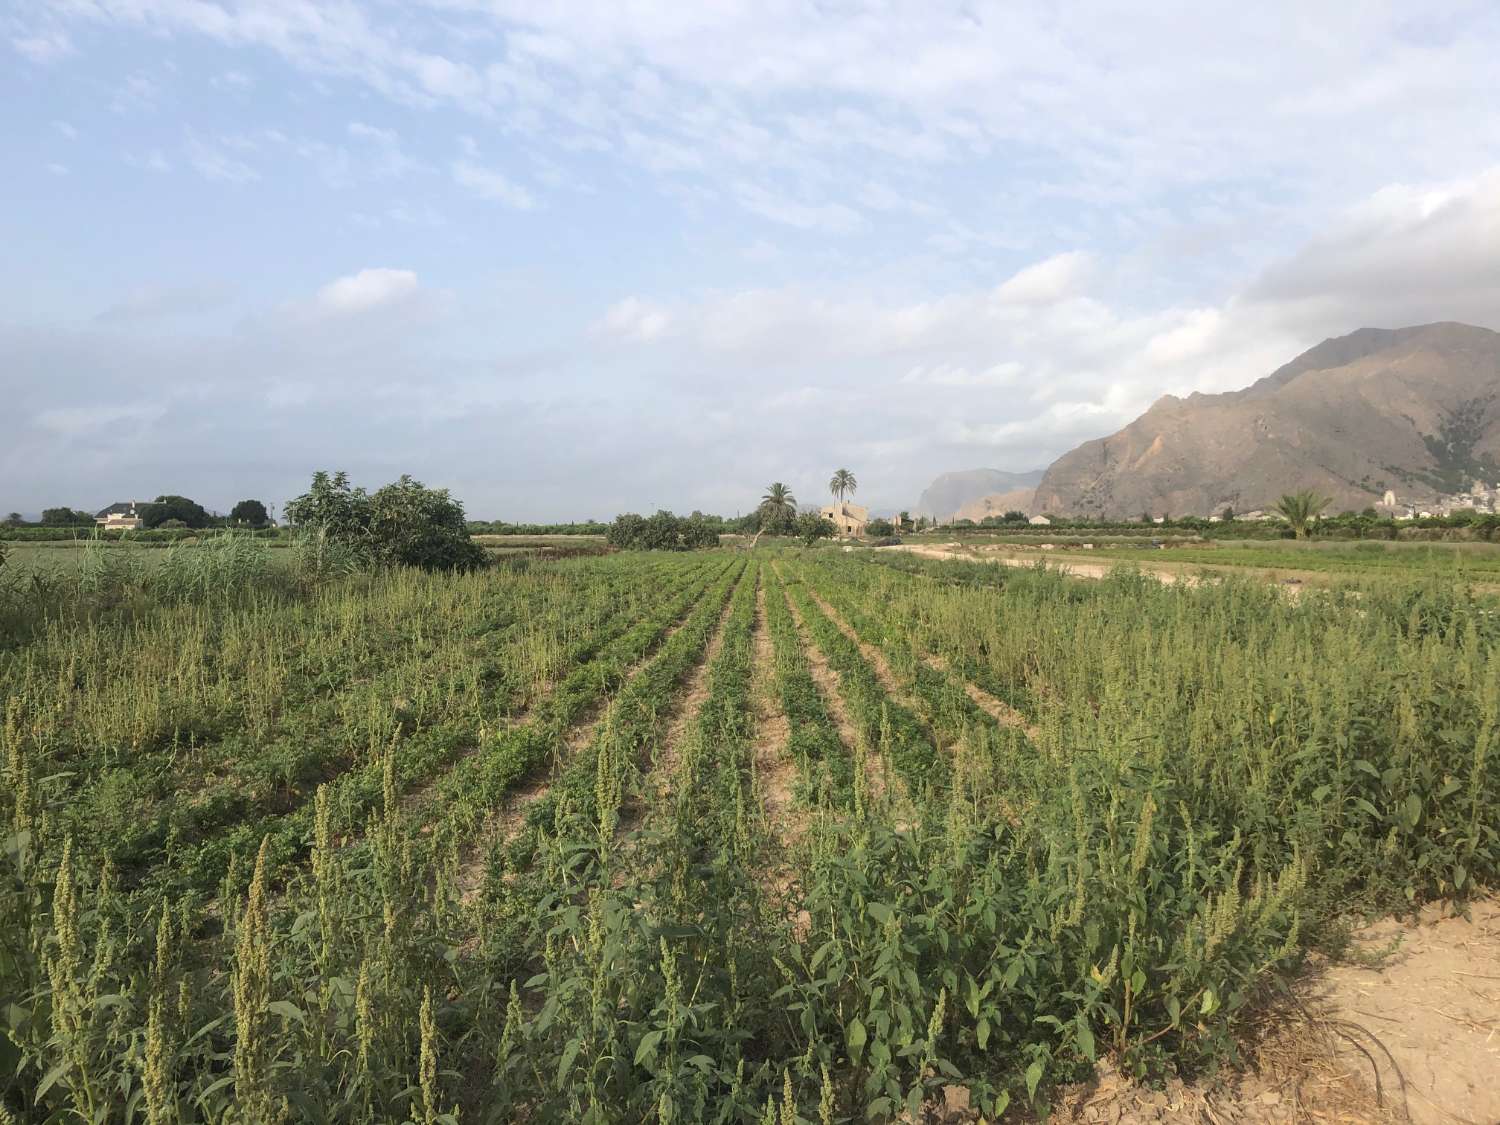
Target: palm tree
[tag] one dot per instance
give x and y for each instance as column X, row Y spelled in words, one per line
column 779, row 499
column 843, row 481
column 1301, row 508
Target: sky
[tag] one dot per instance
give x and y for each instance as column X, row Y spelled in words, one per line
column 578, row 258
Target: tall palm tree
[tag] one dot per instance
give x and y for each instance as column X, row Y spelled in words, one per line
column 843, row 481
column 1301, row 508
column 779, row 500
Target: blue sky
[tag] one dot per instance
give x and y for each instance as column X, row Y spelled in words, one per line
column 573, row 259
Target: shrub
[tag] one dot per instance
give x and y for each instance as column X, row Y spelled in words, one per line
column 402, row 524
column 164, row 508
column 663, row 532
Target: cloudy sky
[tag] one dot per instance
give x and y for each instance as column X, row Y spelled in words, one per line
column 573, row 258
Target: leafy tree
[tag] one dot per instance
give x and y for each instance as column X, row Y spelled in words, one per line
column 1227, row 515
column 403, row 524
column 165, row 508
column 171, row 525
column 66, row 517
column 14, row 520
column 413, row 525
column 778, row 509
column 842, row 483
column 1015, row 515
column 810, row 527
column 250, row 513
column 1301, row 508
column 663, row 532
column 880, row 528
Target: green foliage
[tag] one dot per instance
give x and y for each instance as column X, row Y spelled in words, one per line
column 842, row 483
column 66, row 517
column 810, row 527
column 516, row 844
column 164, row 508
column 662, row 532
column 778, row 510
column 879, row 528
column 249, row 513
column 402, row 524
column 1300, row 509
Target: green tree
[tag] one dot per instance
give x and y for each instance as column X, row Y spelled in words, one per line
column 778, row 509
column 403, row 524
column 165, row 508
column 810, row 527
column 413, row 525
column 66, row 517
column 1015, row 515
column 842, row 483
column 879, row 528
column 250, row 513
column 14, row 520
column 1301, row 508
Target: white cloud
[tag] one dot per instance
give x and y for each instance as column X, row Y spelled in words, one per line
column 65, row 129
column 950, row 375
column 635, row 319
column 77, row 421
column 44, row 47
column 486, row 183
column 212, row 163
column 57, row 169
column 826, row 218
column 1060, row 276
column 368, row 289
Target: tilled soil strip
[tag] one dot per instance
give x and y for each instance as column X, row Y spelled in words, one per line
column 774, row 769
column 504, row 824
column 1002, row 712
column 827, row 681
column 666, row 757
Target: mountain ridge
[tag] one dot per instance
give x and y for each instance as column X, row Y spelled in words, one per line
column 953, row 491
column 1412, row 409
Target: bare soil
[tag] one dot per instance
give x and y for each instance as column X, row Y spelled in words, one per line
column 827, row 682
column 504, row 824
column 1410, row 1038
column 1002, row 712
column 666, row 757
column 774, row 771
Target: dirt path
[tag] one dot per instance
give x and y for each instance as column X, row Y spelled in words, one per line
column 774, row 769
column 1434, row 1004
column 1168, row 573
column 1414, row 1040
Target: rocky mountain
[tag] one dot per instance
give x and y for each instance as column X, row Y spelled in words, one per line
column 944, row 497
column 1415, row 410
column 997, row 504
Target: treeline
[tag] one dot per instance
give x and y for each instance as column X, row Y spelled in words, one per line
column 168, row 512
column 664, row 532
column 722, row 525
column 162, row 536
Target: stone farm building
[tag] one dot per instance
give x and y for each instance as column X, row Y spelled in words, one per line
column 122, row 516
column 847, row 519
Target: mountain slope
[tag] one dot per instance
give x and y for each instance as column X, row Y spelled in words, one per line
column 1416, row 410
column 945, row 496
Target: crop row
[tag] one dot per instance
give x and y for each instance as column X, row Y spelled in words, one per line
column 887, row 726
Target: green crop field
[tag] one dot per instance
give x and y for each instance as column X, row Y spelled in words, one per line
column 1479, row 562
column 726, row 836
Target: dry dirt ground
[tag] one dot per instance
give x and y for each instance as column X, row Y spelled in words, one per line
column 1412, row 1039
column 1072, row 562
